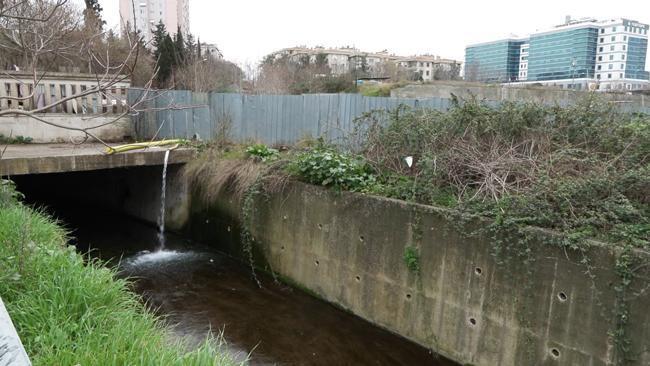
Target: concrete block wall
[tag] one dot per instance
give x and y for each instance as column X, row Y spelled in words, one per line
column 349, row 250
column 43, row 133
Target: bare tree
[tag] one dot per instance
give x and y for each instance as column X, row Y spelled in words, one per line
column 39, row 35
column 209, row 74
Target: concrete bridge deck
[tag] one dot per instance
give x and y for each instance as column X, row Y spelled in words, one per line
column 61, row 158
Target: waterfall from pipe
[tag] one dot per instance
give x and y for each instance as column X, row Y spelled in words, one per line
column 161, row 216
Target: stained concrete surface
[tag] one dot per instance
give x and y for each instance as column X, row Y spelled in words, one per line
column 464, row 302
column 62, row 158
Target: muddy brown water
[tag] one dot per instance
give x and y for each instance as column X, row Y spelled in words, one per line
column 199, row 290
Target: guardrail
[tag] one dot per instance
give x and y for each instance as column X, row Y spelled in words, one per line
column 17, row 91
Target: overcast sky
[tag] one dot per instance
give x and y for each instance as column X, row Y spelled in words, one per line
column 246, row 30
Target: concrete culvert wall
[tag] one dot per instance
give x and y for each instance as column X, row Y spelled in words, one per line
column 131, row 191
column 413, row 270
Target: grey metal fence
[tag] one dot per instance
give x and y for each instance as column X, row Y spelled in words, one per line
column 271, row 119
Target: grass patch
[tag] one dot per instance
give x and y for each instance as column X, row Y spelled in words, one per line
column 73, row 312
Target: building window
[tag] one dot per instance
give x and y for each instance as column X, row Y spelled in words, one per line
column 600, row 67
column 609, row 76
column 613, row 29
column 611, row 48
column 427, row 73
column 602, row 40
column 613, row 38
column 626, row 28
column 600, row 49
column 610, row 66
column 625, row 38
column 602, row 30
column 620, row 75
column 624, row 47
column 611, row 57
column 622, row 66
column 597, row 76
column 622, row 57
column 600, row 58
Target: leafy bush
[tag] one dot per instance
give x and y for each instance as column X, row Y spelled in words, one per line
column 262, row 152
column 326, row 167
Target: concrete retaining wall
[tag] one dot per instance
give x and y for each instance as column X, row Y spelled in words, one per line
column 496, row 92
column 349, row 250
column 43, row 133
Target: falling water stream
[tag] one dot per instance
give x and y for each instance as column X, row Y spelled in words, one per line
column 161, row 216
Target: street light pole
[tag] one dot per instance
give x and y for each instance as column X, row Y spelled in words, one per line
column 573, row 73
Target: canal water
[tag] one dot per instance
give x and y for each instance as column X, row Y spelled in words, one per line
column 199, row 290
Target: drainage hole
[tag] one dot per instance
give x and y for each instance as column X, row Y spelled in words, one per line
column 358, row 278
column 361, row 238
column 228, row 228
column 282, row 247
column 408, row 296
column 317, row 263
column 320, row 226
column 478, row 271
column 472, row 321
column 555, row 352
column 562, row 296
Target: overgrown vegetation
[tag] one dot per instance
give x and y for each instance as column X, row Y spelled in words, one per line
column 581, row 169
column 71, row 311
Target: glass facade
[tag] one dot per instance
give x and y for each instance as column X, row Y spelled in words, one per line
column 569, row 54
column 496, row 62
column 637, row 49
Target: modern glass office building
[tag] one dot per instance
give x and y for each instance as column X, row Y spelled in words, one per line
column 563, row 54
column 579, row 54
column 637, row 49
column 493, row 62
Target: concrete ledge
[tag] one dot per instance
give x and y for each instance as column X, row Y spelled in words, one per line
column 39, row 159
column 113, row 130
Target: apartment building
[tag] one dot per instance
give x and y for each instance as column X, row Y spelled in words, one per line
column 348, row 59
column 144, row 15
column 579, row 54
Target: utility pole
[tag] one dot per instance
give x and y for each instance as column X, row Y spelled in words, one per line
column 573, row 73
